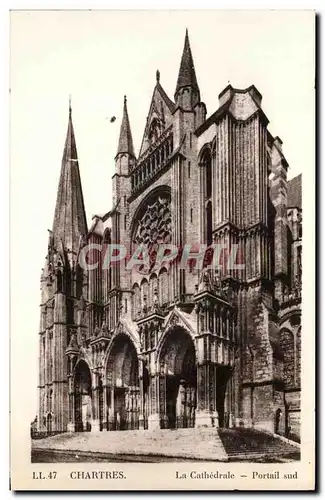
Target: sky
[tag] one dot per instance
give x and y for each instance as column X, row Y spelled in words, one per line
column 97, row 57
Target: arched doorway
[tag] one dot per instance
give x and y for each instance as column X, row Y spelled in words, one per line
column 277, row 424
column 123, row 398
column 177, row 380
column 222, row 395
column 83, row 403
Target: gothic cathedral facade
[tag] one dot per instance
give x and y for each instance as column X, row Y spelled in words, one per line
column 177, row 347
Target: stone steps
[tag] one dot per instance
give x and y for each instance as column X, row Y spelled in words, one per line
column 242, row 442
column 202, row 444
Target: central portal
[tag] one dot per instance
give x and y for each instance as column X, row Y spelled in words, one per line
column 177, row 381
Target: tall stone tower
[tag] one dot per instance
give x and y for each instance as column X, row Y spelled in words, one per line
column 124, row 164
column 61, row 283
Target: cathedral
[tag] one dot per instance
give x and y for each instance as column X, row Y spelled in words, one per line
column 174, row 345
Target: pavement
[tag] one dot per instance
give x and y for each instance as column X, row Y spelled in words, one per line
column 158, row 445
column 203, row 444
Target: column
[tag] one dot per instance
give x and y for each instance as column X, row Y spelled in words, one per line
column 180, row 405
column 162, row 402
column 193, row 406
column 204, row 379
column 71, row 402
column 137, row 407
column 95, row 407
column 206, row 385
column 153, row 418
column 231, row 402
column 142, row 396
column 111, row 411
column 128, row 407
column 71, row 423
column 105, row 422
column 41, row 396
column 142, row 409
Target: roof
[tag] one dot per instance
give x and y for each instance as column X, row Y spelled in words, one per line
column 168, row 101
column 186, row 75
column 69, row 217
column 213, row 118
column 294, row 198
column 164, row 113
column 125, row 143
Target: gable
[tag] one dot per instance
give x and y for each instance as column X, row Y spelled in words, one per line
column 160, row 117
column 180, row 319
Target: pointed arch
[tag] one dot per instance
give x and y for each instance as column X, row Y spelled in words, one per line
column 177, row 368
column 163, row 286
column 206, row 150
column 136, row 300
column 121, row 329
column 207, row 182
column 82, row 365
column 177, row 359
column 144, row 288
column 82, row 383
column 179, row 330
column 208, row 226
column 205, row 160
column 122, row 349
column 155, row 129
column 153, row 286
column 123, row 380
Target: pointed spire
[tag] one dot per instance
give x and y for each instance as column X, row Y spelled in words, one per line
column 70, row 149
column 186, row 75
column 125, row 143
column 69, row 218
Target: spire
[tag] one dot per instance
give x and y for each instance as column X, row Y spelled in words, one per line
column 69, row 218
column 125, row 143
column 186, row 75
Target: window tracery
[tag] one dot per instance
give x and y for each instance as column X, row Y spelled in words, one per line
column 154, row 131
column 154, row 227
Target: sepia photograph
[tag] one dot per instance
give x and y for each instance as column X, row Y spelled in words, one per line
column 163, row 179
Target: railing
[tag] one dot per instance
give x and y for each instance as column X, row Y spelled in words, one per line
column 165, row 133
column 43, row 434
column 150, row 310
column 291, row 296
column 146, row 170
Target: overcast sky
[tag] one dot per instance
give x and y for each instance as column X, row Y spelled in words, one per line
column 97, row 57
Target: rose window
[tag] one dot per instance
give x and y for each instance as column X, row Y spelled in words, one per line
column 154, row 226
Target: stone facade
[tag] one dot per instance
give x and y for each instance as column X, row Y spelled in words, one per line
column 165, row 347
